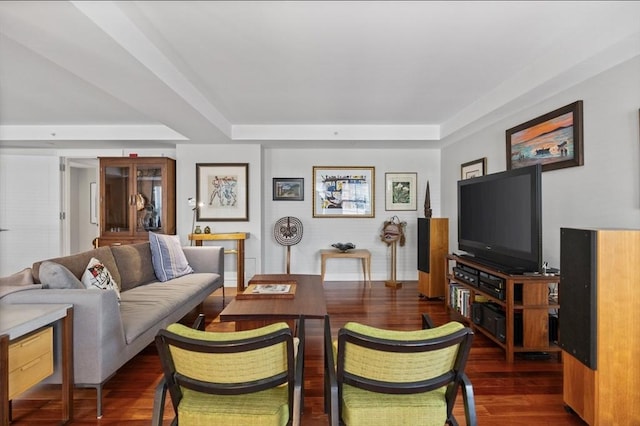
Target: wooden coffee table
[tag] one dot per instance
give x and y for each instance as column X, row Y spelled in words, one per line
column 308, row 301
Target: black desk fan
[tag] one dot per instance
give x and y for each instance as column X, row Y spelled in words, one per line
column 288, row 232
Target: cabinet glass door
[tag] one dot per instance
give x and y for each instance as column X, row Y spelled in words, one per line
column 148, row 198
column 117, row 201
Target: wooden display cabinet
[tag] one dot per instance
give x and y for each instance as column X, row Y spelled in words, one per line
column 137, row 195
column 527, row 297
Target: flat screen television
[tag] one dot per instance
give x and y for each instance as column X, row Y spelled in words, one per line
column 500, row 219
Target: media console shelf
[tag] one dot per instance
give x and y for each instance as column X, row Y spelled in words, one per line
column 524, row 301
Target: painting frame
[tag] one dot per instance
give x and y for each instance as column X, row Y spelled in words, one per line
column 288, row 189
column 474, row 168
column 554, row 140
column 332, row 183
column 222, row 192
column 400, row 191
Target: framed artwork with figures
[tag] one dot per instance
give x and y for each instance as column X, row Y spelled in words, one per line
column 222, row 191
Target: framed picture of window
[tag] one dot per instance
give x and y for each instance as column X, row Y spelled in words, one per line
column 222, row 191
column 400, row 191
column 343, row 192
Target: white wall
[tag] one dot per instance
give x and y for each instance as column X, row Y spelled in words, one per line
column 604, row 192
column 263, row 253
column 82, row 231
column 320, row 233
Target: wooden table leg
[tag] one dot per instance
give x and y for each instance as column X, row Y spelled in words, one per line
column 240, row 266
column 323, row 265
column 67, row 366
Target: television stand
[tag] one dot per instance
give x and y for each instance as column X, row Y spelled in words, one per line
column 512, row 310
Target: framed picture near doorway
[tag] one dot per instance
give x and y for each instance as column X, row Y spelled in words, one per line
column 222, row 191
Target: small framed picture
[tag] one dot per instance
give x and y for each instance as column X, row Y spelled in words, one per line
column 400, row 191
column 288, row 189
column 473, row 168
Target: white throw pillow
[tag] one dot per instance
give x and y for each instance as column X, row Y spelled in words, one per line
column 167, row 256
column 97, row 276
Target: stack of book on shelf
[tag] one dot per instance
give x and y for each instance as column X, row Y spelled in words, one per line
column 460, row 299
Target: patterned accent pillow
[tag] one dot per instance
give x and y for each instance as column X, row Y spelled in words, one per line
column 167, row 257
column 97, row 276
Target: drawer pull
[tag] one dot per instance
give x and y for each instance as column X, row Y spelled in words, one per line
column 31, row 364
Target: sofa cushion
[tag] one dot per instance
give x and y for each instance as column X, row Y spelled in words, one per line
column 23, row 277
column 167, row 257
column 144, row 307
column 77, row 263
column 55, row 275
column 135, row 265
column 97, row 276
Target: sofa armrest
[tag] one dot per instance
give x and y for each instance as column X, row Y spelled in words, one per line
column 98, row 335
column 206, row 258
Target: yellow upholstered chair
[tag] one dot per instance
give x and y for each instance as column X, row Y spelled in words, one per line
column 386, row 377
column 251, row 377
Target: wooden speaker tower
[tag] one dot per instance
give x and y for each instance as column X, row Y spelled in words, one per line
column 433, row 248
column 599, row 327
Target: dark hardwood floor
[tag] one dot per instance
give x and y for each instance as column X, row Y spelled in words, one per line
column 524, row 393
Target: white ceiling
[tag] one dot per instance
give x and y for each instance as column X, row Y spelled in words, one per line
column 157, row 73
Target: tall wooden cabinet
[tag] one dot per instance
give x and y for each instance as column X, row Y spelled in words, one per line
column 137, row 195
column 433, row 247
column 600, row 338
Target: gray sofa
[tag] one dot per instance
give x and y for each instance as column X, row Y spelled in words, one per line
column 107, row 333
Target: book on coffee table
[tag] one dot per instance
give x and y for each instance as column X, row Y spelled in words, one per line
column 268, row 289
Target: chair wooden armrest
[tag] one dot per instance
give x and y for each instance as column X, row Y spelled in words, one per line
column 469, row 400
column 158, row 404
column 427, row 322
column 331, row 406
column 199, row 324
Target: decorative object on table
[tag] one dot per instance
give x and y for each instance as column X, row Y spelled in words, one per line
column 343, row 192
column 269, row 289
column 222, row 191
column 427, row 202
column 473, row 168
column 392, row 233
column 288, row 189
column 553, row 140
column 207, row 230
column 400, row 191
column 197, row 230
column 343, row 247
column 288, row 232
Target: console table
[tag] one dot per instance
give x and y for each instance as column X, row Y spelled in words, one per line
column 26, row 348
column 239, row 238
column 363, row 254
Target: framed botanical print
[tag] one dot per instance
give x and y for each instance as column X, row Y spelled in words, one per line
column 400, row 191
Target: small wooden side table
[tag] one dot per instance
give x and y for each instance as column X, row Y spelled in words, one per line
column 363, row 254
column 20, row 320
column 239, row 238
